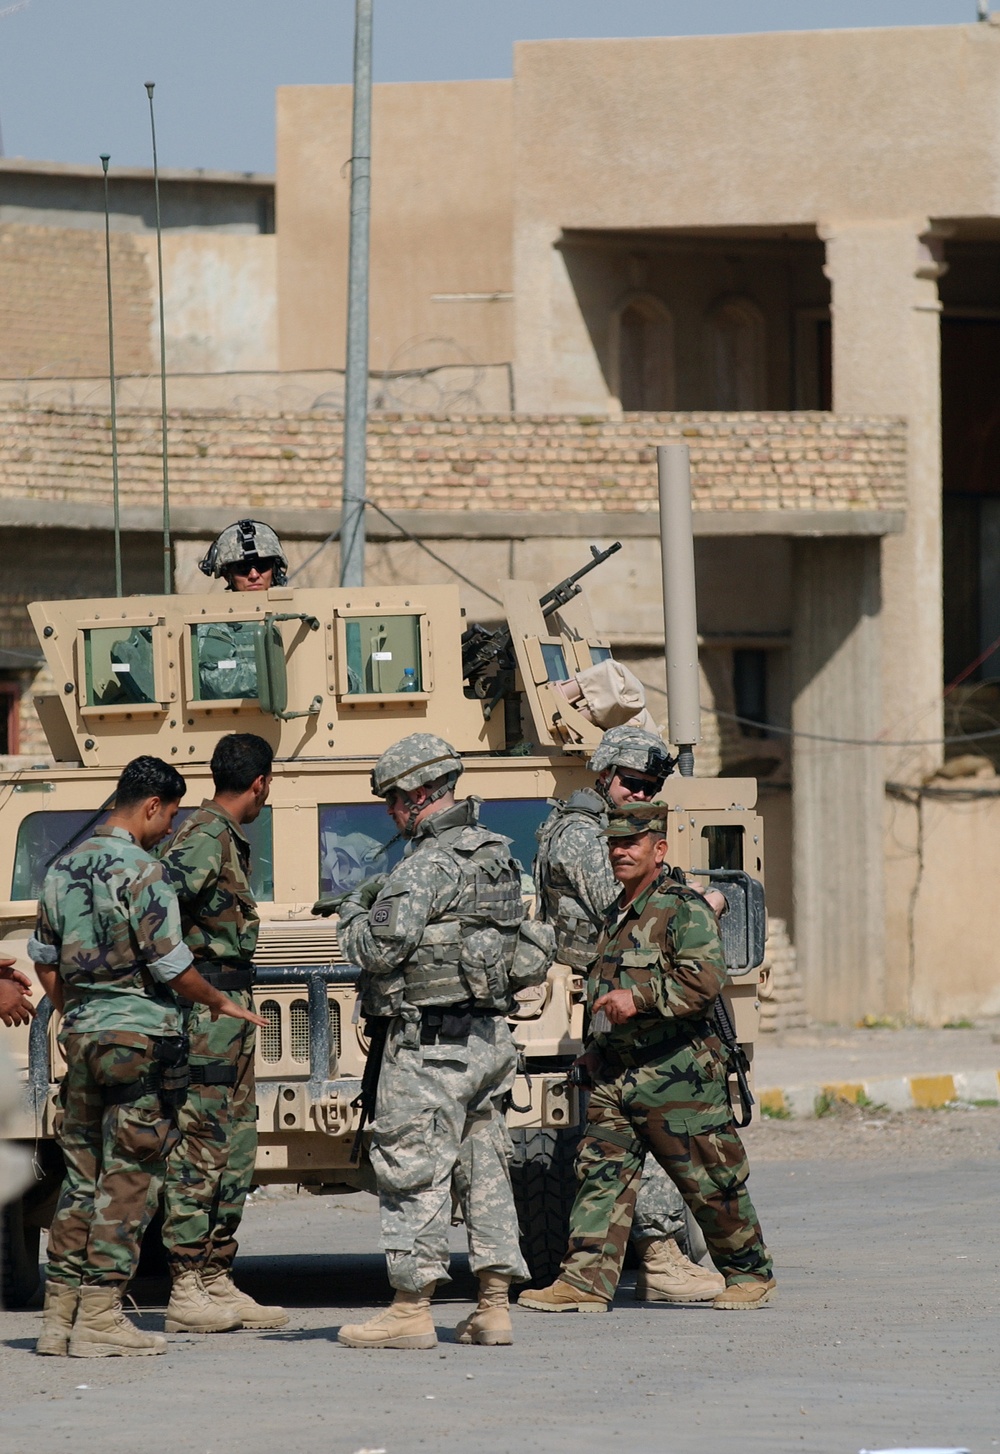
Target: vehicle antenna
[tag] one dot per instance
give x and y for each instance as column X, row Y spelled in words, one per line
column 680, row 614
column 352, row 531
column 167, row 561
column 105, row 159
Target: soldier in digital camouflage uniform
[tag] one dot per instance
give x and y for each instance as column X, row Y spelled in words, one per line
column 109, row 952
column 659, row 1082
column 209, row 1174
column 249, row 557
column 443, row 945
column 574, row 888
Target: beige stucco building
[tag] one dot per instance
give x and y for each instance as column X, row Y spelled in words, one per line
column 753, row 223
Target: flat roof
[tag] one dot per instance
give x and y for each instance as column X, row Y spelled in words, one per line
column 26, row 167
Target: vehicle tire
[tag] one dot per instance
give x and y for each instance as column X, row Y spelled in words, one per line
column 544, row 1185
column 19, row 1274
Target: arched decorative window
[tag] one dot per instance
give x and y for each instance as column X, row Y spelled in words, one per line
column 643, row 353
column 737, row 354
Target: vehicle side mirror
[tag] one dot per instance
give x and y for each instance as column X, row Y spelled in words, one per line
column 272, row 671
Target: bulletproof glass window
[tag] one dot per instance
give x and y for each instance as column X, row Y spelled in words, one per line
column 555, row 661
column 725, row 846
column 599, row 654
column 118, row 665
column 383, row 655
column 224, row 659
column 355, row 839
column 41, row 838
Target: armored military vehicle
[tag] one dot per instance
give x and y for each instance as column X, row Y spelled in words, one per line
column 330, row 678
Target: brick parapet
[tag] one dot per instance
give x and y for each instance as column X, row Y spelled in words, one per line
column 740, row 462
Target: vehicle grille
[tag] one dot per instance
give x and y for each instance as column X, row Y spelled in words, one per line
column 291, row 1030
column 269, row 1038
column 298, row 944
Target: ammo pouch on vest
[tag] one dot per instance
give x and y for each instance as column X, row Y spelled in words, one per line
column 534, row 952
column 453, row 964
column 168, row 1078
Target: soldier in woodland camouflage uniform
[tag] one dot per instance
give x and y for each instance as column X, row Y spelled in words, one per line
column 574, row 888
column 109, row 952
column 443, row 946
column 209, row 1174
column 659, row 1082
column 249, row 557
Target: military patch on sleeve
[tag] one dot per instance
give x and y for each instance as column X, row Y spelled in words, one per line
column 382, row 916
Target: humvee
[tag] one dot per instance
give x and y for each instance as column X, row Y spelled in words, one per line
column 338, row 675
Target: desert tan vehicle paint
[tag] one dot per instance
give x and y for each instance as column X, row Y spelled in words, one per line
column 335, row 677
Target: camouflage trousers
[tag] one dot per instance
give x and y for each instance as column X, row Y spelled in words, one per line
column 438, row 1123
column 675, row 1108
column 115, row 1158
column 210, row 1171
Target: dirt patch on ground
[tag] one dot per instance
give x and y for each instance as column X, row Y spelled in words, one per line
column 856, row 1133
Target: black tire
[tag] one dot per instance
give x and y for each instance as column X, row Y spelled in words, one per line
column 544, row 1185
column 19, row 1274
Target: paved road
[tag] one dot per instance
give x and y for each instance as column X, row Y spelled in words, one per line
column 885, row 1334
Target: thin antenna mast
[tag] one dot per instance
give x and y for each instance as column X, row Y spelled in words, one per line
column 167, row 560
column 105, row 159
column 352, row 518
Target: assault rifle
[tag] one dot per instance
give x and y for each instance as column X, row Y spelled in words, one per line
column 485, row 652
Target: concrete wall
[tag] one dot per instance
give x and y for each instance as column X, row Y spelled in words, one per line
column 441, row 223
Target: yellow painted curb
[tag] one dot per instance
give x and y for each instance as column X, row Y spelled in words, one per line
column 930, row 1092
column 774, row 1101
column 845, row 1090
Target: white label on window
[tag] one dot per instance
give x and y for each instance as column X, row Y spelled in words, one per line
column 381, row 656
column 120, row 666
column 230, row 664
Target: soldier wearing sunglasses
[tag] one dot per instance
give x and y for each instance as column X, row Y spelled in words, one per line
column 575, row 887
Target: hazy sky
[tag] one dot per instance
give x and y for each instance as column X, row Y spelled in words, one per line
column 72, row 71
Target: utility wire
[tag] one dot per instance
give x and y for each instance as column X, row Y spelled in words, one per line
column 851, row 741
column 473, row 585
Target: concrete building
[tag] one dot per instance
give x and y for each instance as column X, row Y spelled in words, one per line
column 755, row 223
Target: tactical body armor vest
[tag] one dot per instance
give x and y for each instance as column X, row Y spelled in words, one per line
column 558, row 903
column 467, row 953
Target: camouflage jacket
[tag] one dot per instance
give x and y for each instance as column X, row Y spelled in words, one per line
column 425, row 889
column 208, row 862
column 109, row 919
column 665, row 949
column 574, row 885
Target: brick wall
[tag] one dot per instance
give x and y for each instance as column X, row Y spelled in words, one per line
column 503, row 462
column 54, row 308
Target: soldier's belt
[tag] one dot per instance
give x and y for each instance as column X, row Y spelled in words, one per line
column 213, row 1074
column 168, row 1077
column 630, row 1057
column 452, row 1022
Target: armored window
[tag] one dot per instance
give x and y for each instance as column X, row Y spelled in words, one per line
column 725, row 846
column 555, row 661
column 119, row 666
column 41, row 838
column 383, row 654
column 224, row 660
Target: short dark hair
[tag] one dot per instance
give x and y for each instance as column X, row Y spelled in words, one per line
column 238, row 760
column 148, row 777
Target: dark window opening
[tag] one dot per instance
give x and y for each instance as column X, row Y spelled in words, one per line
column 750, row 689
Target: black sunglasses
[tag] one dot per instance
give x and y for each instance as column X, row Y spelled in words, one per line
column 639, row 784
column 244, row 567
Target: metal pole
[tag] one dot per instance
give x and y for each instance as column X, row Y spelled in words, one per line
column 680, row 613
column 352, row 535
column 111, row 379
column 167, row 555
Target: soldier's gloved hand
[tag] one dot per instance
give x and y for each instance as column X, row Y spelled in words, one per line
column 365, row 894
column 330, row 903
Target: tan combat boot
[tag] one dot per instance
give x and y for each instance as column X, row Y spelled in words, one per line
column 57, row 1318
column 227, row 1297
column 191, row 1310
column 102, row 1330
column 741, row 1297
column 489, row 1325
column 667, row 1276
column 561, row 1297
column 406, row 1323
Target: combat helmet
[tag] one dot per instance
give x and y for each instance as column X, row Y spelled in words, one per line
column 413, row 762
column 635, row 748
column 245, row 540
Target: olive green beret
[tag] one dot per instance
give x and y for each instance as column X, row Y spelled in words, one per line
column 633, row 818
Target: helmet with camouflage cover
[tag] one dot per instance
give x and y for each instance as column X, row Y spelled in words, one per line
column 413, row 762
column 245, row 540
column 632, row 747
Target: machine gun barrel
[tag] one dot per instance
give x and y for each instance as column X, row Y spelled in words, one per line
column 481, row 647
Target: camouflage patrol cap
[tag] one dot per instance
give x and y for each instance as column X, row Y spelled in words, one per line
column 413, row 761
column 243, row 541
column 634, row 818
column 632, row 747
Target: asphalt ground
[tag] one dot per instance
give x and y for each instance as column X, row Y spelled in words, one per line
column 885, row 1333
